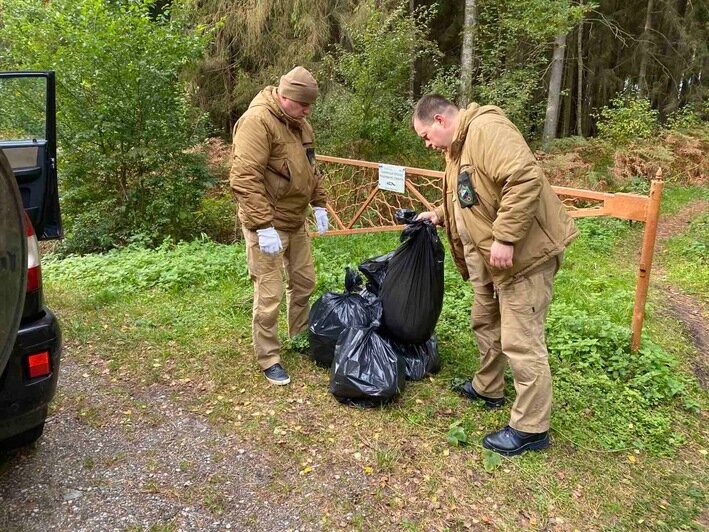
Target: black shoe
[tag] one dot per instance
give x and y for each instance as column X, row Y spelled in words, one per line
column 468, row 391
column 277, row 375
column 511, row 442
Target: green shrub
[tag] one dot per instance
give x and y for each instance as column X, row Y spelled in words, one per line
column 688, row 117
column 124, row 117
column 628, row 118
column 216, row 218
column 133, row 269
column 365, row 110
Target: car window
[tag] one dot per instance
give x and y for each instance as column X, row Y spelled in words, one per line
column 22, row 109
column 13, row 260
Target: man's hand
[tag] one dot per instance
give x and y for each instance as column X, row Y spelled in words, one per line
column 429, row 215
column 268, row 241
column 501, row 255
column 321, row 219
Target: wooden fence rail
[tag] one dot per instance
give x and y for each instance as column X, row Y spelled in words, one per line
column 357, row 205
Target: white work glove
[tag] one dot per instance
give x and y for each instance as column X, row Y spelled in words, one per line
column 321, row 219
column 269, row 241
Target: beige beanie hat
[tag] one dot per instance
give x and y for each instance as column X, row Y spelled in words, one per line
column 299, row 85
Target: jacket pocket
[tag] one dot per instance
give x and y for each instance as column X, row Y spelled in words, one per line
column 302, row 179
column 276, row 182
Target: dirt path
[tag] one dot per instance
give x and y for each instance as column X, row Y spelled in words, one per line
column 684, row 307
column 102, row 465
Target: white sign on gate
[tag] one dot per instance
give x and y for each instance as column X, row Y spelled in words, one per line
column 392, row 178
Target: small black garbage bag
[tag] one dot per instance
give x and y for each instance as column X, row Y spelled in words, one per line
column 366, row 370
column 332, row 313
column 420, row 359
column 370, row 297
column 375, row 270
column 412, row 289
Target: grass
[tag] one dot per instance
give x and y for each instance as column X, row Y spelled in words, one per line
column 688, row 253
column 629, row 449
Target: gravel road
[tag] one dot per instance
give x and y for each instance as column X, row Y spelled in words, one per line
column 102, row 467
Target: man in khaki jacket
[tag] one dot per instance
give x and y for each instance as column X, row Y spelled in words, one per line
column 508, row 231
column 273, row 178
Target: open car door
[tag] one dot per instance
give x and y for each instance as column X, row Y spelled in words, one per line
column 28, row 136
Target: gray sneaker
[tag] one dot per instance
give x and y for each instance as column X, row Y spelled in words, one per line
column 277, row 375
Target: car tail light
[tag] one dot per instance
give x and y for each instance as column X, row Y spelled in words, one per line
column 34, row 270
column 38, row 365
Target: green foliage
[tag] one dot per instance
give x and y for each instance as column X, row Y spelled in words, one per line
column 688, row 117
column 216, row 218
column 595, row 345
column 365, row 110
column 22, row 109
column 628, row 117
column 300, row 343
column 124, row 118
column 135, row 269
column 514, row 91
column 687, row 256
column 446, row 82
column 456, row 434
column 511, row 48
column 491, row 460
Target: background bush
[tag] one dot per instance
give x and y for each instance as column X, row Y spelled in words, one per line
column 125, row 121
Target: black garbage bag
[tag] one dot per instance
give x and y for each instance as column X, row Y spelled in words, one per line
column 375, row 270
column 332, row 313
column 370, row 297
column 405, row 216
column 420, row 359
column 366, row 370
column 412, row 289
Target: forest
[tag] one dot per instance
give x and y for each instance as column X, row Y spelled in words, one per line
column 145, row 88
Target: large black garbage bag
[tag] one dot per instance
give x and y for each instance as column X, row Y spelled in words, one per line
column 366, row 370
column 412, row 289
column 420, row 359
column 332, row 313
column 375, row 270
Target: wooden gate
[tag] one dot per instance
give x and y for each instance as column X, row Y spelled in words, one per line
column 357, row 205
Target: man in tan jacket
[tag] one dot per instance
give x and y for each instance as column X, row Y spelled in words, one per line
column 508, row 231
column 274, row 180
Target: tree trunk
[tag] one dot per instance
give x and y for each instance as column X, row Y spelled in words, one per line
column 557, row 69
column 644, row 50
column 579, row 78
column 466, row 54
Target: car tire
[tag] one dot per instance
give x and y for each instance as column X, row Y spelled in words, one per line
column 23, row 439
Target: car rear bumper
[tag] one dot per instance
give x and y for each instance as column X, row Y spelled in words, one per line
column 24, row 401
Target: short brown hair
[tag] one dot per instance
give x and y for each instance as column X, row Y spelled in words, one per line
column 430, row 105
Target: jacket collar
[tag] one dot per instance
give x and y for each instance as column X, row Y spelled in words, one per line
column 465, row 118
column 268, row 98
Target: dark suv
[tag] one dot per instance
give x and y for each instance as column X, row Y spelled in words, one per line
column 30, row 339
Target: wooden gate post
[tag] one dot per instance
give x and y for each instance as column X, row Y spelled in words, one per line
column 651, row 217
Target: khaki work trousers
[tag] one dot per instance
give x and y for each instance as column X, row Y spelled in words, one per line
column 509, row 328
column 266, row 272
